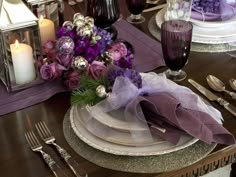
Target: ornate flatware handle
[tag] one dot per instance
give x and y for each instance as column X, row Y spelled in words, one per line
column 227, row 106
column 74, row 166
column 57, row 171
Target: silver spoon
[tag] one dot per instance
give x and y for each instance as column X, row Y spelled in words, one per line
column 217, row 85
column 232, row 83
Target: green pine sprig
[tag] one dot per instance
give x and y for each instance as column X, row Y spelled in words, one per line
column 86, row 94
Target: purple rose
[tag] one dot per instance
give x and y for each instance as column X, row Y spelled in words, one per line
column 50, row 50
column 97, row 69
column 65, row 59
column 50, row 71
column 72, row 80
column 117, row 50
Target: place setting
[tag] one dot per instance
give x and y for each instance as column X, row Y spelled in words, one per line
column 122, row 116
column 209, row 34
column 140, row 118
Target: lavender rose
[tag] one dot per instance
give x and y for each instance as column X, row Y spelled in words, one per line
column 97, row 69
column 51, row 71
column 65, row 59
column 72, row 80
column 117, row 50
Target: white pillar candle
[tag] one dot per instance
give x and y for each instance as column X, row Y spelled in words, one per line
column 47, row 30
column 23, row 62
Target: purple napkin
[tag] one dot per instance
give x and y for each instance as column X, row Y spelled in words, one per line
column 217, row 10
column 164, row 111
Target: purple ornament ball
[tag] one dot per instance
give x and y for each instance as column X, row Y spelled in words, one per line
column 65, row 45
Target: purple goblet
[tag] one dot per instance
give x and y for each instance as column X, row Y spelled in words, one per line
column 135, row 8
column 176, row 36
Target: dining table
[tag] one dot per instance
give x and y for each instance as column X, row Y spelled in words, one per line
column 17, row 159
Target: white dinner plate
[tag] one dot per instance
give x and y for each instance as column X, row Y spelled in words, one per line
column 205, row 35
column 116, row 119
column 117, row 149
column 114, row 135
column 214, row 24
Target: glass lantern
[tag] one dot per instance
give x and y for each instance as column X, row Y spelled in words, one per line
column 50, row 9
column 19, row 51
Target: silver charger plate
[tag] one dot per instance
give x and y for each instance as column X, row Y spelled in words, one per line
column 138, row 164
column 161, row 148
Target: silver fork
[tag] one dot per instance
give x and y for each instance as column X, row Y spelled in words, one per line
column 48, row 138
column 36, row 146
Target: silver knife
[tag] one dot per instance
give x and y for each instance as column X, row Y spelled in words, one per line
column 212, row 97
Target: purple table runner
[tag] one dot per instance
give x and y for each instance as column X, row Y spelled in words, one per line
column 148, row 56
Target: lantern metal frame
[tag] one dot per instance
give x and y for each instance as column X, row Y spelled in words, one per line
column 25, row 32
column 47, row 8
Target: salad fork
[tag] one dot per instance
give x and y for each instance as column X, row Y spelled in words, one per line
column 48, row 138
column 37, row 147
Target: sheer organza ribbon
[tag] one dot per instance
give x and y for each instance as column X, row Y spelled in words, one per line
column 124, row 94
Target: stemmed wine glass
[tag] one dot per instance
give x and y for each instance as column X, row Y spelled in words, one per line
column 176, row 36
column 135, row 8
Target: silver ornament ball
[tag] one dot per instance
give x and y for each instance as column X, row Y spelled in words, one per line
column 65, row 45
column 78, row 23
column 80, row 63
column 84, row 31
column 68, row 25
column 78, row 16
column 89, row 20
column 101, row 91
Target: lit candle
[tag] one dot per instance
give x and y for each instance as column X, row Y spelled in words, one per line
column 23, row 62
column 47, row 30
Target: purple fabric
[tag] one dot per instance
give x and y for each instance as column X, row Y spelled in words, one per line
column 208, row 10
column 148, row 57
column 11, row 102
column 164, row 111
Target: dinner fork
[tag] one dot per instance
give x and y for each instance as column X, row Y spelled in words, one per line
column 37, row 147
column 48, row 138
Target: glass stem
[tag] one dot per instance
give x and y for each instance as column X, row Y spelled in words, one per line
column 175, row 73
column 137, row 17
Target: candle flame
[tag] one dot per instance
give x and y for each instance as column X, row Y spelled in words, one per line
column 41, row 18
column 16, row 44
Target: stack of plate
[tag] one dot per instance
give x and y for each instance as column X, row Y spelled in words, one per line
column 208, row 32
column 109, row 133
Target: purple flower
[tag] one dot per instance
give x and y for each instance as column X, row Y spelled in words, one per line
column 50, row 50
column 81, row 46
column 51, row 71
column 61, row 32
column 97, row 69
column 66, row 32
column 91, row 53
column 133, row 75
column 65, row 59
column 117, row 50
column 72, row 80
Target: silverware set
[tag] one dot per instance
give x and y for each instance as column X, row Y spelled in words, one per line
column 217, row 85
column 46, row 135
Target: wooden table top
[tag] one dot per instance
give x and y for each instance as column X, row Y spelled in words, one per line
column 17, row 160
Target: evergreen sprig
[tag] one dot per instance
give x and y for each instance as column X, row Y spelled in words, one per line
column 86, row 94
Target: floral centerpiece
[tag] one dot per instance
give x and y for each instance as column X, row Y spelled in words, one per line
column 85, row 57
